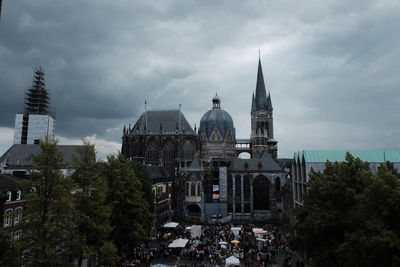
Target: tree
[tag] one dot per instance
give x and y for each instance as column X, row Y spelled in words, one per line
column 350, row 216
column 141, row 172
column 8, row 249
column 131, row 218
column 92, row 211
column 48, row 222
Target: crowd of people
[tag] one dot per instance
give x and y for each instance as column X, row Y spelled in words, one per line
column 253, row 245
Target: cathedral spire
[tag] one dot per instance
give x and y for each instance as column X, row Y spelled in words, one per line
column 269, row 102
column 261, row 101
column 253, row 104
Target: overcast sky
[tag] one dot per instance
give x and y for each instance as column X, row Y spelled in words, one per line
column 332, row 67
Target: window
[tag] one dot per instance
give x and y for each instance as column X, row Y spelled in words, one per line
column 18, row 195
column 17, row 215
column 17, row 235
column 8, row 218
column 8, row 196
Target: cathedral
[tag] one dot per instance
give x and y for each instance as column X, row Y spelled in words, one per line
column 211, row 182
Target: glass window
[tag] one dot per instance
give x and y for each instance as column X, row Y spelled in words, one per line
column 19, row 195
column 7, row 218
column 8, row 196
column 17, row 215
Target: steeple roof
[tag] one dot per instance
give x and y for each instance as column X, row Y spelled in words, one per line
column 261, row 101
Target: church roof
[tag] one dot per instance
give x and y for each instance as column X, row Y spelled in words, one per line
column 158, row 174
column 261, row 101
column 166, row 120
column 20, row 155
column 264, row 164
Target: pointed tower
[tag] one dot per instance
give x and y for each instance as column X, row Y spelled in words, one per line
column 262, row 130
column 36, row 122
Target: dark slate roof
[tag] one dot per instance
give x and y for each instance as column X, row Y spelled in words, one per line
column 167, row 120
column 216, row 118
column 8, row 182
column 158, row 173
column 264, row 164
column 195, row 165
column 20, row 155
column 261, row 101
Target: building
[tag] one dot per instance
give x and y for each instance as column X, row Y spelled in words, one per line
column 162, row 138
column 162, row 193
column 18, row 161
column 36, row 122
column 12, row 204
column 307, row 160
column 212, row 183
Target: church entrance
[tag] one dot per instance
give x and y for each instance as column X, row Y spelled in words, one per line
column 261, row 193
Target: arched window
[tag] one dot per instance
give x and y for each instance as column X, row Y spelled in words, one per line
column 198, row 189
column 188, row 150
column 169, row 157
column 193, row 189
column 8, row 218
column 152, row 153
column 277, row 184
column 17, row 215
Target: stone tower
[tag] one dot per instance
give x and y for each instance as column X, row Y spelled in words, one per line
column 262, row 127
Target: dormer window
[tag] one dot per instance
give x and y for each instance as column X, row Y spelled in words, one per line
column 18, row 195
column 8, row 196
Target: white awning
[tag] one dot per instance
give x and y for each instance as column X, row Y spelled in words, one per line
column 178, row 243
column 232, row 260
column 171, row 225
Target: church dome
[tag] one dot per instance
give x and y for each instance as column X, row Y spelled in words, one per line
column 216, row 118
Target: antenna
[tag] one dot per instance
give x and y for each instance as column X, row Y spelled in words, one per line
column 145, row 109
column 180, row 120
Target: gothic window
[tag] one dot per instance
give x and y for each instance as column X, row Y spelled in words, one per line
column 277, row 184
column 230, row 191
column 261, row 193
column 193, row 189
column 246, row 187
column 198, row 189
column 187, row 189
column 152, row 153
column 238, row 193
column 188, row 150
column 169, row 157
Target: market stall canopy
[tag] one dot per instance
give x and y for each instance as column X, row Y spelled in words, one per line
column 260, row 232
column 232, row 260
column 171, row 225
column 223, row 243
column 236, row 230
column 235, row 241
column 178, row 243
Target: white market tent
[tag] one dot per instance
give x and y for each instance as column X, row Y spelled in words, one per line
column 232, row 260
column 255, row 230
column 171, row 225
column 195, row 231
column 236, row 230
column 178, row 243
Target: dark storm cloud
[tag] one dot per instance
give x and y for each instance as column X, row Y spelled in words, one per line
column 331, row 66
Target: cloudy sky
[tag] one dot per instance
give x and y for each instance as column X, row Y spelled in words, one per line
column 332, row 67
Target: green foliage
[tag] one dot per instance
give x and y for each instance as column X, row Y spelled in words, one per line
column 130, row 218
column 8, row 250
column 49, row 222
column 141, row 172
column 350, row 216
column 92, row 210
